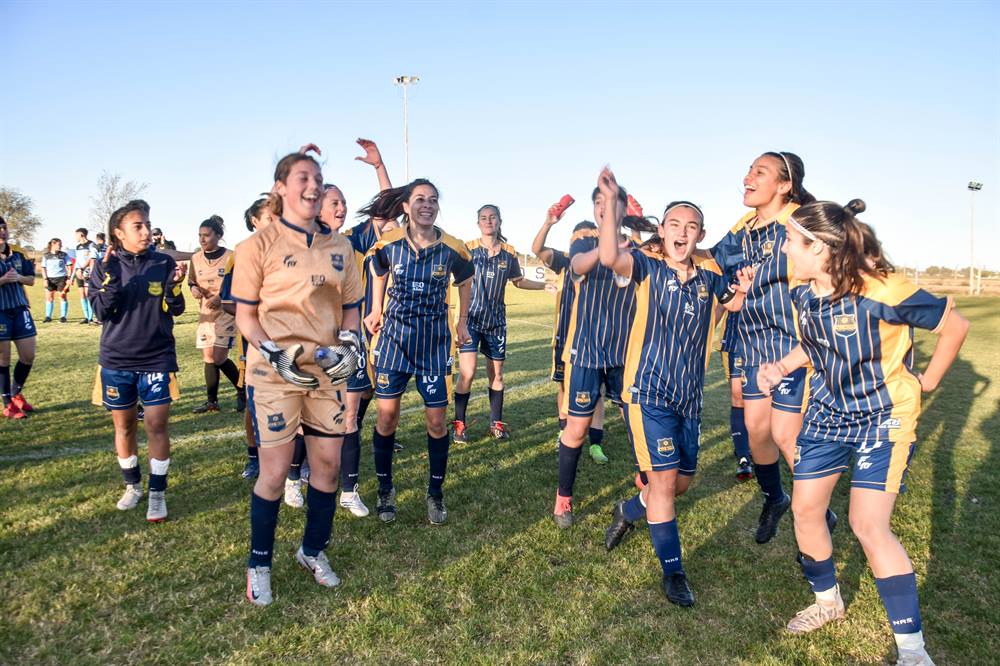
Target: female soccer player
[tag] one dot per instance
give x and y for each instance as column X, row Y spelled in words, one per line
column 765, row 330
column 83, row 264
column 55, row 272
column 136, row 291
column 856, row 319
column 413, row 332
column 216, row 327
column 496, row 263
column 16, row 325
column 665, row 368
column 297, row 294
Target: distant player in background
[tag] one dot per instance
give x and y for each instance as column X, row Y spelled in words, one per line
column 55, row 272
column 856, row 319
column 496, row 264
column 83, row 264
column 16, row 324
column 160, row 241
column 137, row 291
column 100, row 246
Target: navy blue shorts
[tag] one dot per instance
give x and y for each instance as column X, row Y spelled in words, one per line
column 362, row 381
column 434, row 389
column 663, row 439
column 492, row 344
column 876, row 465
column 732, row 364
column 583, row 388
column 558, row 365
column 16, row 324
column 122, row 388
column 791, row 395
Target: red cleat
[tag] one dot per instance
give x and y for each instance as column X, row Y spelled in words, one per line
column 12, row 411
column 21, row 403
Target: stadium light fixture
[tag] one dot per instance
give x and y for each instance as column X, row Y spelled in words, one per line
column 974, row 187
column 404, row 82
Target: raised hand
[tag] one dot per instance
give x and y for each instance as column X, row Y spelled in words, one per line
column 372, row 155
column 310, row 146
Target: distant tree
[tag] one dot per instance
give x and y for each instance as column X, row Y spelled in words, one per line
column 112, row 193
column 15, row 208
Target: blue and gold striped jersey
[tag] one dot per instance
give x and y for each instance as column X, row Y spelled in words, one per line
column 864, row 388
column 226, row 288
column 668, row 344
column 729, row 342
column 565, row 293
column 415, row 336
column 363, row 238
column 601, row 314
column 488, row 312
column 12, row 294
column 766, row 328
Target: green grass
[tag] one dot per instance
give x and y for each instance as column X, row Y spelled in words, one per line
column 86, row 584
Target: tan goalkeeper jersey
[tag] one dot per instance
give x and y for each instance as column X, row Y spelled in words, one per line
column 207, row 274
column 301, row 284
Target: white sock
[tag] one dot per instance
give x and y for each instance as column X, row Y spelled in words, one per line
column 128, row 463
column 913, row 642
column 828, row 597
column 158, row 467
column 642, row 501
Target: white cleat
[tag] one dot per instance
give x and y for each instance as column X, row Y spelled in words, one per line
column 131, row 496
column 157, row 510
column 914, row 658
column 293, row 493
column 259, row 586
column 352, row 502
column 319, row 567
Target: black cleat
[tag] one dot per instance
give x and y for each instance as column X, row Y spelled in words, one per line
column 241, row 402
column 676, row 587
column 386, row 507
column 437, row 513
column 618, row 529
column 62, row 320
column 207, row 407
column 47, row 320
column 397, row 445
column 252, row 469
column 744, row 470
column 770, row 515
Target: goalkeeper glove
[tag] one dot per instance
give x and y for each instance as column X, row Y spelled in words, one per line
column 340, row 361
column 283, row 362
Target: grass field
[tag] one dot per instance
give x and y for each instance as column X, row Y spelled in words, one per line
column 84, row 583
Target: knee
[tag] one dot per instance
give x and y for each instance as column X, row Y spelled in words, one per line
column 867, row 529
column 271, row 481
column 682, row 485
column 27, row 356
column 155, row 427
column 497, row 383
column 435, row 425
column 387, row 422
column 805, row 511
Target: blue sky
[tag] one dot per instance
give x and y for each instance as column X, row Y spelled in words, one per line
column 518, row 103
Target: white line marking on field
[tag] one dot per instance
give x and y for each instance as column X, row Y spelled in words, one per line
column 530, row 323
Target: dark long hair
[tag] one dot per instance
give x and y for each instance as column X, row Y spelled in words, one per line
column 500, row 236
column 388, row 204
column 216, row 224
column 792, row 170
column 116, row 219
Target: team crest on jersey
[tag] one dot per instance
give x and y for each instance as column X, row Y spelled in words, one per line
column 382, row 380
column 665, row 446
column 112, row 392
column 582, row 398
column 289, row 261
column 439, row 271
column 337, row 261
column 768, row 247
column 155, row 288
column 276, row 422
column 702, row 291
column 502, row 266
column 845, row 324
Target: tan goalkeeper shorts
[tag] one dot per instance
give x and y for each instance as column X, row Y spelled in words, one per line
column 277, row 412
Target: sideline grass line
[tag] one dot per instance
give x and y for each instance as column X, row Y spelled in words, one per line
column 530, row 323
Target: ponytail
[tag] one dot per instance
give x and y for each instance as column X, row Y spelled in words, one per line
column 388, row 204
column 791, row 169
column 216, row 224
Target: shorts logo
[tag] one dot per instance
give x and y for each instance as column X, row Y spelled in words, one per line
column 289, row 261
column 259, row 372
column 737, row 361
column 318, row 280
column 768, row 247
column 439, row 271
column 702, row 291
column 112, row 392
column 337, row 261
column 845, row 324
column 276, row 422
column 155, row 288
column 382, row 380
column 665, row 446
column 890, row 424
column 582, row 398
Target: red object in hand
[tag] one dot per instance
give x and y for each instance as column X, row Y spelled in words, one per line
column 633, row 207
column 560, row 208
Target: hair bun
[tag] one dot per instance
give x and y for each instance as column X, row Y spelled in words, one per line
column 855, row 206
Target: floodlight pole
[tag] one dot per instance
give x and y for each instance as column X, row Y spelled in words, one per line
column 404, row 82
column 973, row 188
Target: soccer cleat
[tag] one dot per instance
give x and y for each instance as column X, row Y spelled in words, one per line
column 397, row 445
column 12, row 411
column 386, row 507
column 352, row 502
column 437, row 513
column 62, row 320
column 84, row 321
column 675, row 586
column 241, row 402
column 47, row 320
column 500, row 430
column 131, row 496
column 913, row 658
column 770, row 515
column 21, row 403
column 259, row 586
column 156, row 511
column 563, row 513
column 458, row 432
column 319, row 567
column 744, row 470
column 304, row 471
column 140, row 414
column 597, row 454
column 205, row 408
column 816, row 615
column 252, row 469
column 619, row 527
column 293, row 493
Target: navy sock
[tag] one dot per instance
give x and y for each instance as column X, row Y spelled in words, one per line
column 634, row 509
column 769, row 480
column 362, row 410
column 212, row 382
column 595, row 435
column 350, row 461
column 5, row 383
column 382, row 444
column 899, row 596
column 232, row 373
column 251, row 452
column 496, row 406
column 21, row 371
column 562, row 424
column 644, row 478
column 461, row 405
column 667, row 545
column 320, row 507
column 568, row 459
column 298, row 455
column 821, row 575
column 738, row 429
column 263, row 522
column 437, row 458
column 157, row 482
column 132, row 475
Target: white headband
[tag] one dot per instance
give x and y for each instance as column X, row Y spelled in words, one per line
column 788, row 166
column 802, row 230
